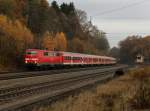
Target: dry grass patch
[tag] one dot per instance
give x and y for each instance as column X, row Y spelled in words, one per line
column 129, row 92
column 141, row 99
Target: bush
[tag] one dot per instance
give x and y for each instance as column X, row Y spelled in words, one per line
column 141, row 99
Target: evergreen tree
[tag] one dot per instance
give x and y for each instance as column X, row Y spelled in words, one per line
column 72, row 8
column 55, row 6
column 38, row 16
column 68, row 9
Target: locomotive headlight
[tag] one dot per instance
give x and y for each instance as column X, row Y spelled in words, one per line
column 26, row 59
column 34, row 59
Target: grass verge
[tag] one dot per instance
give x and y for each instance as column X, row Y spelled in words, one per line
column 130, row 92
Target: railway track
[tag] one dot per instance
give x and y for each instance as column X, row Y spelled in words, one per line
column 15, row 93
column 15, row 75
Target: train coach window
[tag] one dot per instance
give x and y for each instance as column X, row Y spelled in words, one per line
column 76, row 58
column 95, row 59
column 67, row 58
column 31, row 52
column 57, row 54
column 80, row 58
column 73, row 58
column 51, row 54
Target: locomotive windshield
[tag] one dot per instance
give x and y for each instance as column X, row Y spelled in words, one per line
column 31, row 53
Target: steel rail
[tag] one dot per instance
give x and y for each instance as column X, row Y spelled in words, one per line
column 7, row 76
column 14, row 83
column 44, row 94
column 46, row 89
column 47, row 84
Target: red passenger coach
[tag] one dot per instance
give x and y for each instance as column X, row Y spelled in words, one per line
column 43, row 57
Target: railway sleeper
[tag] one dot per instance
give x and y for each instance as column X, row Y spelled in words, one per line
column 79, row 83
column 31, row 91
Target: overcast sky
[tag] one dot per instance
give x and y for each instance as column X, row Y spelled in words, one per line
column 118, row 18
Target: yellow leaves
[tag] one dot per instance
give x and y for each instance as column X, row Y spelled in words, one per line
column 60, row 41
column 78, row 45
column 3, row 23
column 57, row 42
column 14, row 39
column 23, row 34
column 16, row 31
column 48, row 41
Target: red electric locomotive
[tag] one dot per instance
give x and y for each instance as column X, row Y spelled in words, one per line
column 43, row 57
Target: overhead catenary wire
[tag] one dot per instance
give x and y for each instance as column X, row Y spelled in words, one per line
column 120, row 8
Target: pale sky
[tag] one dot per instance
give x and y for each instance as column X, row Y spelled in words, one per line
column 118, row 18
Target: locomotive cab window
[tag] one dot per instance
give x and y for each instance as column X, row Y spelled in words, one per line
column 31, row 53
column 51, row 54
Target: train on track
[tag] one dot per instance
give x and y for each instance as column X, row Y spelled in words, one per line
column 37, row 57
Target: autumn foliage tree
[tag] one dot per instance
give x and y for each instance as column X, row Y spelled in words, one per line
column 77, row 45
column 60, row 42
column 14, row 9
column 54, row 26
column 14, row 39
column 54, row 42
column 134, row 45
column 48, row 41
